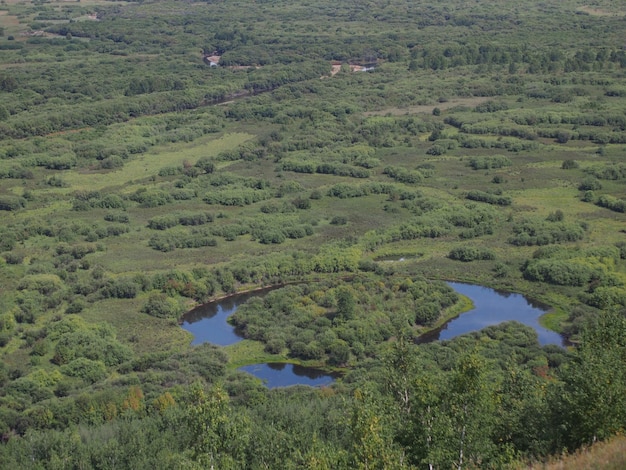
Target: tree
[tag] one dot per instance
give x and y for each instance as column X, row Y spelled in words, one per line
column 218, row 435
column 371, row 444
column 452, row 417
column 593, row 401
column 345, row 303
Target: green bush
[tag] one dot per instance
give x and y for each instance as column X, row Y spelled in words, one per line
column 85, row 369
column 161, row 306
column 489, row 198
column 11, row 203
column 487, row 163
column 468, row 253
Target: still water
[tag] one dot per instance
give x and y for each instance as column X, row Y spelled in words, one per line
column 208, row 323
column 492, row 307
column 276, row 375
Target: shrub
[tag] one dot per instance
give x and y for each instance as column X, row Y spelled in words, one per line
column 163, row 222
column 13, row 258
column 117, row 217
column 486, row 163
column 161, row 306
column 560, row 272
column 612, row 203
column 467, row 254
column 489, row 198
column 86, row 369
column 590, row 184
column 301, row 203
column 11, row 203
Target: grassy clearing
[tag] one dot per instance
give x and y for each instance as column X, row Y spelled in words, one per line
column 139, row 330
column 248, row 352
column 609, row 455
column 149, row 164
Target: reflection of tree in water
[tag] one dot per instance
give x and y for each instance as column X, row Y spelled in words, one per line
column 300, row 371
column 509, row 306
column 503, row 293
column 227, row 305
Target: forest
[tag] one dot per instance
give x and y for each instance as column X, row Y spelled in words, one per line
column 348, row 158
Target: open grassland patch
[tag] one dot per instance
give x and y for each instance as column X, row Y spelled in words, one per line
column 247, row 352
column 141, row 331
column 590, row 10
column 149, row 164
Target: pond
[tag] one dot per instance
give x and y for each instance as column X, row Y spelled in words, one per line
column 492, row 307
column 208, row 323
column 278, row 374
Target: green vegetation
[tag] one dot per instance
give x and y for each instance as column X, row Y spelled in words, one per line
column 158, row 155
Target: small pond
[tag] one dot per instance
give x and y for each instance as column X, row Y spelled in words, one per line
column 208, row 323
column 276, row 375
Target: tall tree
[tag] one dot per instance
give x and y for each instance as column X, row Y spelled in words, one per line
column 594, row 383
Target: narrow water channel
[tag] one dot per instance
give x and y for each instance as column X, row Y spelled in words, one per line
column 208, row 323
column 492, row 307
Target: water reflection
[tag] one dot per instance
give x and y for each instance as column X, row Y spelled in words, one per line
column 208, row 323
column 492, row 307
column 276, row 375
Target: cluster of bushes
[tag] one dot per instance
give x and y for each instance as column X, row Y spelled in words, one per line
column 402, row 175
column 164, row 222
column 571, row 266
column 17, row 172
column 483, row 128
column 470, row 253
column 612, row 203
column 608, row 172
column 495, row 197
column 510, row 144
column 11, row 203
column 420, row 227
column 491, row 107
column 346, row 190
column 103, row 112
column 86, row 200
column 474, row 219
column 170, row 241
column 77, row 251
column 237, row 197
column 75, row 339
column 151, row 197
column 539, row 232
column 120, row 217
column 561, row 272
column 162, row 306
column 276, row 235
column 590, row 183
column 338, row 169
column 489, row 162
